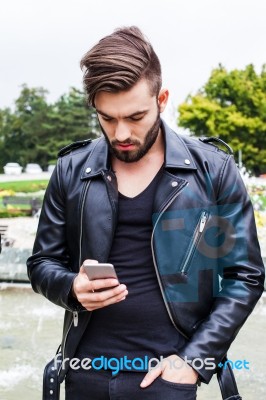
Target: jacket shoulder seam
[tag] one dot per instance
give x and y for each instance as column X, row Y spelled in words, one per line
column 73, row 146
column 210, row 140
column 229, row 156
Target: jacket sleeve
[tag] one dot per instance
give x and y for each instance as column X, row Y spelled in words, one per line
column 49, row 268
column 241, row 271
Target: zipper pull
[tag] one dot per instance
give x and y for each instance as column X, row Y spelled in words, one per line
column 75, row 318
column 203, row 222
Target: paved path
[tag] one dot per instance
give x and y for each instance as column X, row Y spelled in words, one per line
column 22, row 229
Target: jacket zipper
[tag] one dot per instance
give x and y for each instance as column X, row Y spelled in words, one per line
column 75, row 313
column 196, row 237
column 81, row 218
column 155, row 263
column 63, row 347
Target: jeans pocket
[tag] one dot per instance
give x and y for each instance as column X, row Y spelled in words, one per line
column 179, row 386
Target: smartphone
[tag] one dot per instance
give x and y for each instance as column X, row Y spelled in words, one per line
column 99, row 270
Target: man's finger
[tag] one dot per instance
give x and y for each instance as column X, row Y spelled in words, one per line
column 93, row 300
column 106, row 294
column 90, row 306
column 103, row 284
column 151, row 376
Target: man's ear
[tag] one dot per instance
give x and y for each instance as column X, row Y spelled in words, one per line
column 163, row 99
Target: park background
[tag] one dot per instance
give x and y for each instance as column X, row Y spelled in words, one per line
column 41, row 44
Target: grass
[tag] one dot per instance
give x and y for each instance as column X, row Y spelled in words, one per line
column 24, row 186
column 263, row 201
column 11, row 188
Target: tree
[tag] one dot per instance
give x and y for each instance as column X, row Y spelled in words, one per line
column 72, row 120
column 6, row 121
column 35, row 131
column 232, row 106
column 68, row 120
column 31, row 118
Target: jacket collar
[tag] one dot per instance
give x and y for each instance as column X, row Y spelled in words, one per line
column 177, row 154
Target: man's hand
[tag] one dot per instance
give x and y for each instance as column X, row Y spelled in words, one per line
column 86, row 291
column 172, row 369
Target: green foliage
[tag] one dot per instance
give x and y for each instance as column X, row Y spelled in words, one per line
column 11, row 214
column 232, row 106
column 35, row 131
column 24, row 186
column 34, row 188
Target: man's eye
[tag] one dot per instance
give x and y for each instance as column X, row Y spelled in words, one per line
column 136, row 118
column 106, row 118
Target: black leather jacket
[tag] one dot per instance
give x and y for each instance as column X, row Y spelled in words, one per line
column 204, row 242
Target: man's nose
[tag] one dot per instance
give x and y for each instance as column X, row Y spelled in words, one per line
column 122, row 132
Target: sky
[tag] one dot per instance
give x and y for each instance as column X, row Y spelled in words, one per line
column 42, row 41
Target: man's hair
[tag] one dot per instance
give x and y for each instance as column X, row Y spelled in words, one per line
column 118, row 61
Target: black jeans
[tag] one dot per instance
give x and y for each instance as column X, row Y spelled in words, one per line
column 101, row 385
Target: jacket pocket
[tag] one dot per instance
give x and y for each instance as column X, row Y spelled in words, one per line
column 194, row 242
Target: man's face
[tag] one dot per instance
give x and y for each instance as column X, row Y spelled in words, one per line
column 130, row 120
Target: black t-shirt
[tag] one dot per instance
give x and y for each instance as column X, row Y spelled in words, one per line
column 138, row 326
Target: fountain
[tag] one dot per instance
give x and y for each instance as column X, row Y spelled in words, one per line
column 13, row 264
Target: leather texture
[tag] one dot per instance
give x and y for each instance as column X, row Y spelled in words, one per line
column 211, row 299
column 227, row 383
column 51, row 385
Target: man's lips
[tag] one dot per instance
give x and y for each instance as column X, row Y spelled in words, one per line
column 125, row 146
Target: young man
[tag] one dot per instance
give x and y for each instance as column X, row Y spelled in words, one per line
column 171, row 214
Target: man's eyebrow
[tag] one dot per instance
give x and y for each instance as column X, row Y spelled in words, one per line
column 127, row 116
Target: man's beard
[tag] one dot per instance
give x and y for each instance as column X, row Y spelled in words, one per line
column 142, row 149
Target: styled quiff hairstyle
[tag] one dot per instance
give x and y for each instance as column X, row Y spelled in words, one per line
column 118, row 61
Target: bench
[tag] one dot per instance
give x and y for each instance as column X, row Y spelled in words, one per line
column 33, row 203
column 4, row 239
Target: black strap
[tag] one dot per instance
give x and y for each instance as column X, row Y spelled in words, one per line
column 51, row 383
column 227, row 382
column 73, row 146
column 217, row 140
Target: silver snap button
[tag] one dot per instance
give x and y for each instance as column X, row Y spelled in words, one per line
column 187, row 161
column 51, row 391
column 174, row 184
column 88, row 170
column 52, row 380
column 109, row 178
